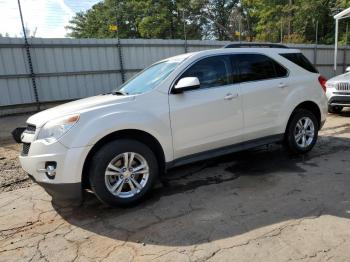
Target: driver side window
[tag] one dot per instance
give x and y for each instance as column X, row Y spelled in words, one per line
column 211, row 71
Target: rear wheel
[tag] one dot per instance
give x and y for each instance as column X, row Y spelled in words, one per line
column 123, row 172
column 302, row 131
column 335, row 109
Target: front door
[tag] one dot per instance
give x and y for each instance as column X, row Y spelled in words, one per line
column 209, row 117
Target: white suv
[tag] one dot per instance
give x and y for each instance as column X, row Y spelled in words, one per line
column 182, row 109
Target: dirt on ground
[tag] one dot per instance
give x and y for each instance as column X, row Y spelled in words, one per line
column 257, row 205
column 12, row 175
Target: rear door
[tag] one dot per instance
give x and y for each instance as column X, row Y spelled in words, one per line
column 209, row 117
column 263, row 87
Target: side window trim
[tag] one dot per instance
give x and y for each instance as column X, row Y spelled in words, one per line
column 308, row 66
column 285, row 68
column 179, row 76
column 247, row 53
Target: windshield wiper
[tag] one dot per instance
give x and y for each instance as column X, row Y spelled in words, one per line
column 120, row 93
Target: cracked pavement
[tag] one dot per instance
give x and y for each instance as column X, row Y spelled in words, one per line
column 257, row 205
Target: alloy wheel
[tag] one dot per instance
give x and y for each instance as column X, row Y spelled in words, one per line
column 127, row 174
column 304, row 132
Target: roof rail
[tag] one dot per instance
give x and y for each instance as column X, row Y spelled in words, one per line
column 255, row 45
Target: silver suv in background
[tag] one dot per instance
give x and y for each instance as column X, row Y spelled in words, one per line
column 338, row 92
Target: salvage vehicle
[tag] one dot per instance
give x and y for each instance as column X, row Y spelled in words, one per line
column 182, row 109
column 338, row 92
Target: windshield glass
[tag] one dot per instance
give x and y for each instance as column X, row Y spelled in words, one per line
column 150, row 77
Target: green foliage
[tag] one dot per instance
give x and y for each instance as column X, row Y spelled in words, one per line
column 247, row 20
column 296, row 18
column 137, row 19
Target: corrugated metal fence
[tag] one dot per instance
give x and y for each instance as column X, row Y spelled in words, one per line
column 66, row 69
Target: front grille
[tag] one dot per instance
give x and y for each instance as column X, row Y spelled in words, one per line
column 342, row 93
column 339, row 102
column 25, row 149
column 30, row 128
column 343, row 86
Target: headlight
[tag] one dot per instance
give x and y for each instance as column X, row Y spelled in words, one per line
column 56, row 128
column 330, row 85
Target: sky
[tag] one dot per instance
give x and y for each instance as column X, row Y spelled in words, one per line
column 47, row 17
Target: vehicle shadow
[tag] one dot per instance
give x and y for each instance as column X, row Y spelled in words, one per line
column 345, row 113
column 229, row 196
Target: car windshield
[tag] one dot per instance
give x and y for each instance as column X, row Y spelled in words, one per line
column 150, row 77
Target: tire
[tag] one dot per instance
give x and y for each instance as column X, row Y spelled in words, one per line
column 294, row 134
column 335, row 109
column 110, row 167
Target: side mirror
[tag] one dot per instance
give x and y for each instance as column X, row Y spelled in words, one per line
column 186, row 83
column 347, row 69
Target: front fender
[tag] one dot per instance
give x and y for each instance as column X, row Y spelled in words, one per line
column 90, row 129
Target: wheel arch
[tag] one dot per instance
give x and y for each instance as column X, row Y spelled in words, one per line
column 138, row 135
column 310, row 106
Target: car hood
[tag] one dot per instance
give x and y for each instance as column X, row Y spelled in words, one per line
column 78, row 106
column 341, row 78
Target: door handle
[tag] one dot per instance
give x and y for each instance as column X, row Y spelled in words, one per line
column 230, row 96
column 282, row 85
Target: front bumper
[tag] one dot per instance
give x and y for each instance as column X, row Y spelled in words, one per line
column 339, row 100
column 68, row 191
column 66, row 183
column 338, row 97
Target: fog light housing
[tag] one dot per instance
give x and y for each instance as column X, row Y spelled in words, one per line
column 50, row 169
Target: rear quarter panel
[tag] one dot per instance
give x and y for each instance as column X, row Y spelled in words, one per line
column 303, row 87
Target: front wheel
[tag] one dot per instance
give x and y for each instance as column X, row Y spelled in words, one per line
column 302, row 131
column 123, row 172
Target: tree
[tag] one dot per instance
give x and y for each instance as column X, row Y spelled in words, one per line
column 297, row 18
column 248, row 20
column 137, row 19
column 29, row 32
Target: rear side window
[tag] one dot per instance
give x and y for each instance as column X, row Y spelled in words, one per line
column 254, row 67
column 300, row 60
column 211, row 71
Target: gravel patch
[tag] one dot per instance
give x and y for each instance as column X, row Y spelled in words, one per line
column 12, row 175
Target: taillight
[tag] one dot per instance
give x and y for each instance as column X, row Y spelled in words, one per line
column 322, row 81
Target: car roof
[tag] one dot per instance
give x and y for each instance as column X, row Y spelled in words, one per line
column 263, row 50
column 220, row 51
column 254, row 44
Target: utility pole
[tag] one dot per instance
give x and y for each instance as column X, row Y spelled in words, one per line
column 346, row 35
column 316, row 37
column 316, row 42
column 185, row 33
column 121, row 64
column 290, row 17
column 29, row 57
column 240, row 28
column 281, row 31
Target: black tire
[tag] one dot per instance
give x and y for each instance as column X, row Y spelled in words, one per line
column 335, row 109
column 290, row 140
column 105, row 155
